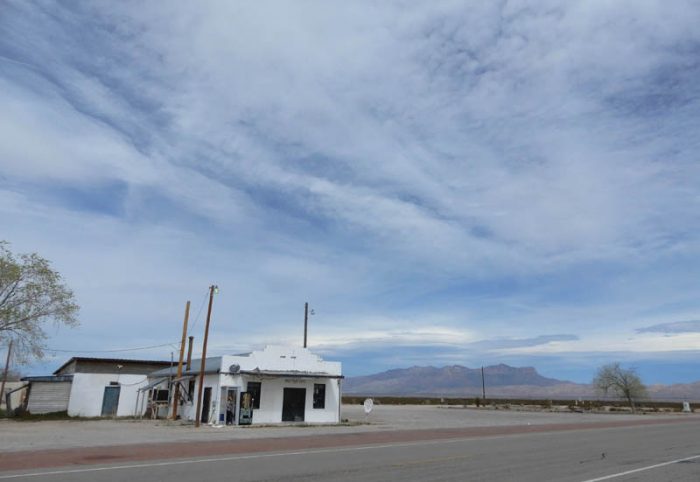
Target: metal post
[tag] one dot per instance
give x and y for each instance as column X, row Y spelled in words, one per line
column 306, row 320
column 7, row 367
column 198, row 413
column 483, row 384
column 176, row 398
column 189, row 353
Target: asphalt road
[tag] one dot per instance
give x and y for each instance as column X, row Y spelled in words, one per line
column 641, row 453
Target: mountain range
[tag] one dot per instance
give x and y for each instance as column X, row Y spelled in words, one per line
column 500, row 381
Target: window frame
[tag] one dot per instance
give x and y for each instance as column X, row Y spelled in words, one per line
column 319, row 396
column 255, row 400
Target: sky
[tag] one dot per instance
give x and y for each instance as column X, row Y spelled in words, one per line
column 445, row 182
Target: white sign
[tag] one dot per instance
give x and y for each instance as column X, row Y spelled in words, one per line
column 369, row 404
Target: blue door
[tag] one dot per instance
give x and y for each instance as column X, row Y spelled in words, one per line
column 110, row 402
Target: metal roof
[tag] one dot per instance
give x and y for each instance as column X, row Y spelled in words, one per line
column 155, row 382
column 49, row 378
column 212, row 365
column 121, row 361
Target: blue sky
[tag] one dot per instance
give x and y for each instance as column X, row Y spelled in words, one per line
column 446, row 182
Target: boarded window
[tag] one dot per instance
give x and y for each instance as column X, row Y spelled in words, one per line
column 319, row 395
column 254, row 388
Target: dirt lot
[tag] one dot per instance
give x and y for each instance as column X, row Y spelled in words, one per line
column 17, row 436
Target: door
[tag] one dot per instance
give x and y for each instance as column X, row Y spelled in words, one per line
column 110, row 401
column 47, row 397
column 293, row 404
column 206, row 403
column 227, row 405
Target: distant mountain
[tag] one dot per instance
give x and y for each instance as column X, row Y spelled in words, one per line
column 501, row 381
column 678, row 391
column 452, row 380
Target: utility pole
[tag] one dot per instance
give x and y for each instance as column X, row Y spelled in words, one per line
column 198, row 413
column 483, row 384
column 176, row 398
column 7, row 367
column 306, row 321
column 190, row 342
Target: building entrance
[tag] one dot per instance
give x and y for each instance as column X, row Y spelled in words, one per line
column 294, row 404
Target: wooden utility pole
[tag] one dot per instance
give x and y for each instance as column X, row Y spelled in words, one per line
column 7, row 368
column 190, row 343
column 202, row 365
column 176, row 397
column 483, row 384
column 306, row 321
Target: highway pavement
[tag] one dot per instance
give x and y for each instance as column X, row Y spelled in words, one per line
column 651, row 452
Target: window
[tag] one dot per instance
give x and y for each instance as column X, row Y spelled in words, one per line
column 160, row 395
column 254, row 388
column 319, row 395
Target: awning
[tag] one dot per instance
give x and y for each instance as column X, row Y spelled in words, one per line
column 185, row 378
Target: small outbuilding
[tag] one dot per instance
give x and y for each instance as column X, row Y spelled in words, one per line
column 92, row 387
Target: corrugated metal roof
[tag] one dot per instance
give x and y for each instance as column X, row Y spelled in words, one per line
column 121, row 361
column 49, row 378
column 155, row 382
column 212, row 365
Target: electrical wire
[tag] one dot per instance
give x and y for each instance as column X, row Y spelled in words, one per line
column 201, row 306
column 135, row 383
column 175, row 346
column 113, row 351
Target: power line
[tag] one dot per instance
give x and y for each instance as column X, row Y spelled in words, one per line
column 201, row 306
column 175, row 345
column 112, row 351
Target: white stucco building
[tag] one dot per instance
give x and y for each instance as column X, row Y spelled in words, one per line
column 92, row 387
column 286, row 384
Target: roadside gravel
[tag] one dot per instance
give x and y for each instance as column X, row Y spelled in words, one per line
column 20, row 436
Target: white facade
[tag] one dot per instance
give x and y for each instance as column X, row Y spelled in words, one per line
column 294, row 384
column 88, row 391
column 93, row 387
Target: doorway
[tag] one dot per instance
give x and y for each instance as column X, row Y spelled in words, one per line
column 293, row 404
column 110, row 401
column 227, row 405
column 206, row 403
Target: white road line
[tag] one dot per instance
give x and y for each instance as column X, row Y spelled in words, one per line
column 642, row 469
column 235, row 457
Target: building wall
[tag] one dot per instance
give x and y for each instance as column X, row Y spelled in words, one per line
column 331, row 412
column 88, row 389
column 187, row 411
column 282, row 358
column 272, row 398
column 16, row 397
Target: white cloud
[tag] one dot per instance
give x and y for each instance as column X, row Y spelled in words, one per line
column 516, row 169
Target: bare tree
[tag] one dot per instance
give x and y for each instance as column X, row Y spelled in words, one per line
column 624, row 383
column 31, row 295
